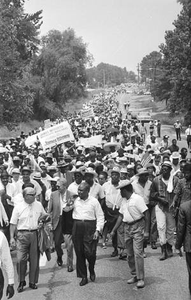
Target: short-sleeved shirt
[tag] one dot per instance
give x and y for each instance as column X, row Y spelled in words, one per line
column 133, row 208
column 26, row 216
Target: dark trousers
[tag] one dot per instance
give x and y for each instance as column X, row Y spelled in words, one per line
column 178, row 137
column 85, row 246
column 27, row 250
column 189, row 141
column 188, row 263
column 1, row 283
column 153, row 225
column 58, row 238
column 158, row 131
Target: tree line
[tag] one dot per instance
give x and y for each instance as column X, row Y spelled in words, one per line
column 106, row 75
column 168, row 71
column 39, row 74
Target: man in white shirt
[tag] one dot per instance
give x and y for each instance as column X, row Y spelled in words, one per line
column 26, row 178
column 73, row 187
column 142, row 187
column 112, row 204
column 88, row 221
column 188, row 136
column 178, row 127
column 7, row 265
column 134, row 213
column 25, row 218
column 96, row 189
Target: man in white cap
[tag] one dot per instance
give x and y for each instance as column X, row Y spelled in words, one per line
column 162, row 192
column 134, row 213
column 112, row 204
column 175, row 159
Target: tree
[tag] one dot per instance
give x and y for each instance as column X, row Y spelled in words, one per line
column 108, row 75
column 18, row 44
column 61, row 71
column 175, row 84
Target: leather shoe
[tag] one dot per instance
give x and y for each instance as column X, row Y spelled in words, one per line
column 70, row 269
column 33, row 286
column 21, row 286
column 114, row 253
column 153, row 246
column 92, row 276
column 132, row 280
column 83, row 281
column 59, row 261
column 123, row 256
column 140, row 284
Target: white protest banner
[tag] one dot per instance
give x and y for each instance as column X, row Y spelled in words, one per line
column 56, row 135
column 31, row 140
column 95, row 140
column 87, row 113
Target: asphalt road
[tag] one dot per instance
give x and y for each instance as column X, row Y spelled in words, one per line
column 164, row 280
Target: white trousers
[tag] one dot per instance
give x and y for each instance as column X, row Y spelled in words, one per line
column 165, row 226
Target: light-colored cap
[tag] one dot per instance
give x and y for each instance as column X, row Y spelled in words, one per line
column 115, row 170
column 16, row 171
column 142, row 171
column 123, row 183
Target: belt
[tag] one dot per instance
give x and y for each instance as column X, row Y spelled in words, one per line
column 134, row 222
column 84, row 220
column 27, row 230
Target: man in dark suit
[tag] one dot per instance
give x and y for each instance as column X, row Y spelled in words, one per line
column 55, row 208
column 184, row 234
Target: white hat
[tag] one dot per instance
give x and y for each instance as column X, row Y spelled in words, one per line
column 16, row 171
column 142, row 171
column 175, row 155
column 123, row 183
column 123, row 170
column 167, row 163
column 115, row 170
column 90, row 171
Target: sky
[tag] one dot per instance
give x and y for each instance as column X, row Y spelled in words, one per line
column 117, row 32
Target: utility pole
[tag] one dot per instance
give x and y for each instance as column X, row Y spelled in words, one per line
column 138, row 70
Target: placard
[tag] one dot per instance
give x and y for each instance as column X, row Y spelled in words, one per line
column 87, row 113
column 95, row 140
column 56, row 135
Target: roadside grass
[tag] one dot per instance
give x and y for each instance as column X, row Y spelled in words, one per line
column 71, row 106
column 159, row 110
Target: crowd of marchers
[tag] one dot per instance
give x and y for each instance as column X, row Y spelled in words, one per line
column 133, row 188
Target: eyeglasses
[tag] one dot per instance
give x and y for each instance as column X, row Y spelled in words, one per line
column 30, row 194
